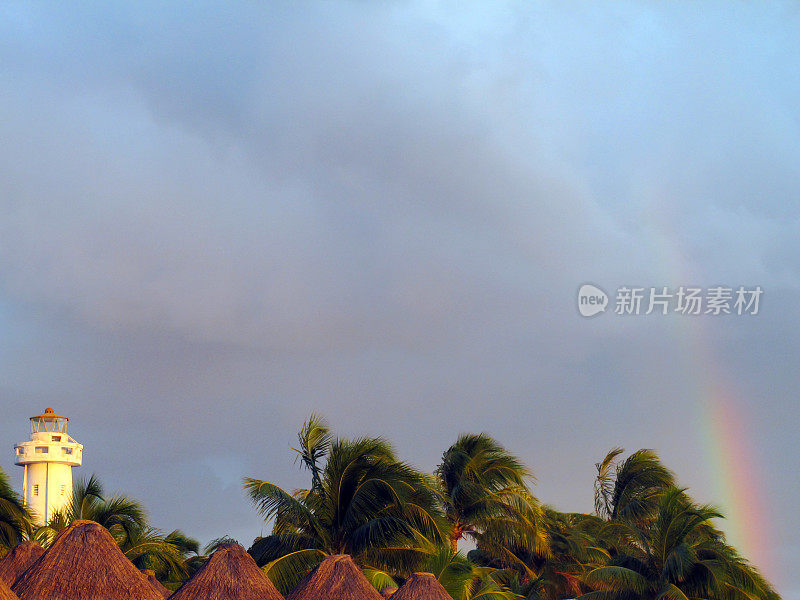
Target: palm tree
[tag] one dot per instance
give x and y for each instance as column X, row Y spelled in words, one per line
column 465, row 580
column 486, row 498
column 660, row 544
column 125, row 518
column 121, row 515
column 362, row 501
column 166, row 554
column 15, row 520
column 676, row 555
column 576, row 545
column 630, row 490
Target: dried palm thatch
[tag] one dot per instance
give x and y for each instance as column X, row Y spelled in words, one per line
column 6, row 593
column 421, row 586
column 229, row 574
column 335, row 578
column 16, row 562
column 388, row 590
column 83, row 563
column 157, row 586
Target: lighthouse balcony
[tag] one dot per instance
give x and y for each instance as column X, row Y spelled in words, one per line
column 63, row 450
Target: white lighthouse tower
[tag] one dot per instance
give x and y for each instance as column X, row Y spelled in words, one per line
column 48, row 459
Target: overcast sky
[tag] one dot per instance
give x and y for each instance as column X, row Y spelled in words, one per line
column 217, row 218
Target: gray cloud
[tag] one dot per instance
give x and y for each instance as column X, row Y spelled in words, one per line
column 217, row 220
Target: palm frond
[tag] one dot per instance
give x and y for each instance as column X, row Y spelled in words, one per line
column 620, row 579
column 151, row 549
column 671, row 592
column 269, row 548
column 604, row 482
column 378, row 578
column 287, row 571
column 16, row 521
column 315, row 441
column 272, row 501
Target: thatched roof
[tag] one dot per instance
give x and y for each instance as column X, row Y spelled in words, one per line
column 229, row 574
column 157, row 585
column 6, row 593
column 335, row 578
column 84, row 563
column 421, row 586
column 16, row 562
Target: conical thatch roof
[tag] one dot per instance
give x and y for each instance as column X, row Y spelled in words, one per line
column 421, row 586
column 335, row 578
column 6, row 593
column 229, row 574
column 16, row 562
column 84, row 563
column 157, row 585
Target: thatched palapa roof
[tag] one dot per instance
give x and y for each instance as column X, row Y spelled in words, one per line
column 155, row 583
column 229, row 574
column 6, row 593
column 84, row 563
column 16, row 562
column 335, row 578
column 421, row 586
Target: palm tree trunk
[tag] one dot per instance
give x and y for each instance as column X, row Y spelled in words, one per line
column 457, row 534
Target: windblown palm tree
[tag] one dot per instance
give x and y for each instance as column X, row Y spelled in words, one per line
column 676, row 555
column 576, row 546
column 166, row 554
column 630, row 490
column 121, row 515
column 661, row 545
column 486, row 497
column 125, row 518
column 15, row 520
column 362, row 501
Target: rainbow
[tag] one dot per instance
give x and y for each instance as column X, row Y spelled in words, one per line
column 729, row 452
column 732, row 460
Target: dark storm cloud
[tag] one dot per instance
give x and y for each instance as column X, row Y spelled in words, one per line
column 216, row 220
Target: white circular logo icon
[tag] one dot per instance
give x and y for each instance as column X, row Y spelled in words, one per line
column 591, row 300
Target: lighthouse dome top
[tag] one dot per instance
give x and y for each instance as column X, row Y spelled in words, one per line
column 48, row 415
column 49, row 421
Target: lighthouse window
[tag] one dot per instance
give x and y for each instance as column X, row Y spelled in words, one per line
column 20, row 450
column 35, row 489
column 66, row 450
column 56, row 438
column 42, row 449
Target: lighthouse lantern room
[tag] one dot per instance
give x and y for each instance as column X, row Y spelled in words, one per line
column 48, row 459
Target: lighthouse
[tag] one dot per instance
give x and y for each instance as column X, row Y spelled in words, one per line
column 48, row 459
